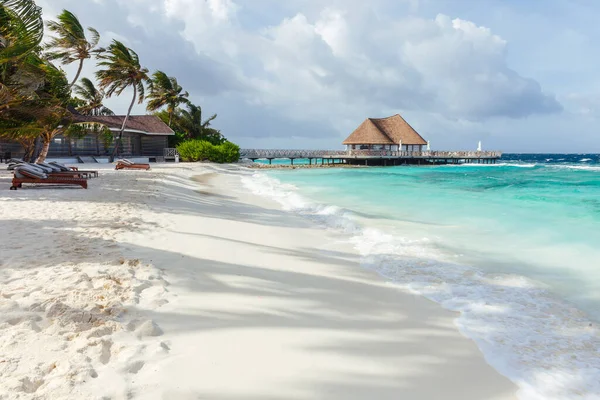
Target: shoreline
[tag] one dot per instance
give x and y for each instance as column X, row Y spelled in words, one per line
column 540, row 340
column 230, row 297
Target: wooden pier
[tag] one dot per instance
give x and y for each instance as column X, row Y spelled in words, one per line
column 375, row 157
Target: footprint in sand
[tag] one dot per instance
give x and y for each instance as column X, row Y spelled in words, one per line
column 135, row 367
column 105, row 352
column 30, row 385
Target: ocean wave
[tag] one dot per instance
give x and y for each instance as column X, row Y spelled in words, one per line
column 505, row 164
column 545, row 345
column 576, row 167
column 516, row 165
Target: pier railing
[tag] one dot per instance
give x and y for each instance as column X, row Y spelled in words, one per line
column 293, row 154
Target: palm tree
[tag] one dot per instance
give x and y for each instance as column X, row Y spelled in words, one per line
column 21, row 29
column 92, row 99
column 121, row 70
column 56, row 118
column 70, row 43
column 92, row 103
column 21, row 32
column 33, row 92
column 190, row 121
column 165, row 91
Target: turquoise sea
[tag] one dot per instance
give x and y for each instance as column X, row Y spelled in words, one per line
column 513, row 247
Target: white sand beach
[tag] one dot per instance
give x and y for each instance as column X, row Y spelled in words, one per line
column 175, row 283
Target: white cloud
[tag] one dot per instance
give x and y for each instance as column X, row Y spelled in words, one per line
column 451, row 67
column 323, row 64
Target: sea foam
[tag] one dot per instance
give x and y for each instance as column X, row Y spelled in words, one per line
column 545, row 345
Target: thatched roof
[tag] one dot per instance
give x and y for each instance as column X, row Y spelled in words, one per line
column 144, row 124
column 391, row 130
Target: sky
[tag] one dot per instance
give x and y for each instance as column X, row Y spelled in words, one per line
column 520, row 76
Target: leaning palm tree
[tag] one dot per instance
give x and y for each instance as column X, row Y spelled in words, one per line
column 21, row 32
column 165, row 91
column 121, row 69
column 91, row 102
column 190, row 121
column 33, row 92
column 70, row 43
column 21, row 29
column 92, row 99
column 55, row 117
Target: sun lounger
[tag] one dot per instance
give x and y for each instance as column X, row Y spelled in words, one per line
column 64, row 168
column 61, row 170
column 27, row 174
column 126, row 164
column 53, row 171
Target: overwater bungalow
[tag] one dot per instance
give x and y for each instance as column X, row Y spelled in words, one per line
column 379, row 141
column 391, row 133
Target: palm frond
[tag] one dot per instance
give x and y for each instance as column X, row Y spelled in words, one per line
column 165, row 91
column 21, row 29
column 94, row 38
column 206, row 123
column 106, row 111
column 69, row 43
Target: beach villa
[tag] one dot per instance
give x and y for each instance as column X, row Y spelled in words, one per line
column 144, row 136
column 391, row 133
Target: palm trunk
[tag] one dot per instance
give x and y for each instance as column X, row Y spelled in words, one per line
column 47, row 137
column 37, row 149
column 118, row 141
column 28, row 145
column 170, row 118
column 70, row 146
column 78, row 73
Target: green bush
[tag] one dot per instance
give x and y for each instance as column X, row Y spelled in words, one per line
column 200, row 150
column 230, row 152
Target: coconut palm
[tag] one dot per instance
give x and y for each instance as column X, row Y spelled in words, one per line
column 190, row 121
column 70, row 43
column 56, row 94
column 21, row 29
column 165, row 91
column 92, row 99
column 91, row 102
column 33, row 92
column 21, row 32
column 121, row 69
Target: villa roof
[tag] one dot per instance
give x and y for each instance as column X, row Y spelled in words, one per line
column 144, row 124
column 391, row 130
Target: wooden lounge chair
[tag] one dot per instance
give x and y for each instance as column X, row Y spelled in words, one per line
column 58, row 180
column 27, row 174
column 64, row 168
column 126, row 164
column 53, row 171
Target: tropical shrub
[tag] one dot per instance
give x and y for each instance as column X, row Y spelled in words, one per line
column 230, row 152
column 201, row 150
